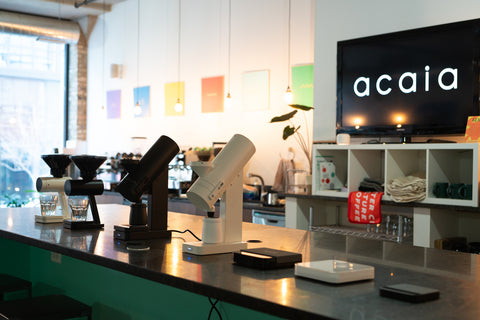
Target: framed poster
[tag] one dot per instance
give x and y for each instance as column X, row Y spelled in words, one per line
column 212, row 94
column 141, row 102
column 256, row 90
column 114, row 104
column 302, row 85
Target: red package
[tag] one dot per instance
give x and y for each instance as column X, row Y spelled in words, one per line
column 365, row 207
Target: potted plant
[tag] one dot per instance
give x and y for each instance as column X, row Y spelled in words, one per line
column 203, row 154
column 293, row 130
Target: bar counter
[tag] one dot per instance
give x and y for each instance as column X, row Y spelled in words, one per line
column 269, row 294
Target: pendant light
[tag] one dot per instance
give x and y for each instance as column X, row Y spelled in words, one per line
column 137, row 110
column 178, row 106
column 288, row 93
column 228, row 98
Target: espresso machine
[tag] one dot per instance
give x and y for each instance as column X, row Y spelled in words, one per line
column 58, row 164
column 87, row 186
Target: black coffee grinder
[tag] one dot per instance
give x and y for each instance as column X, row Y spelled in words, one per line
column 86, row 186
column 150, row 177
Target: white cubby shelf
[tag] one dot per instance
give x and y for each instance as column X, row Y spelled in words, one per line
column 440, row 162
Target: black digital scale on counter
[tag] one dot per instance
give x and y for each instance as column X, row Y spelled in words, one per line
column 266, row 258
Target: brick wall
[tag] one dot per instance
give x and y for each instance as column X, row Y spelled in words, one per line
column 77, row 91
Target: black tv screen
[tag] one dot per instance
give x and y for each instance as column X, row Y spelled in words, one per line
column 416, row 82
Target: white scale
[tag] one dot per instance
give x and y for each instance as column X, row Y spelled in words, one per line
column 334, row 271
column 48, row 219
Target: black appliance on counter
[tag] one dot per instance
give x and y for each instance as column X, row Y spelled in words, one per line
column 149, row 176
column 88, row 186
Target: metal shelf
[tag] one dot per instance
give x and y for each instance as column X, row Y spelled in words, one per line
column 349, row 231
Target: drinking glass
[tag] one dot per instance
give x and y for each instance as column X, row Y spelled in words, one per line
column 48, row 204
column 79, row 207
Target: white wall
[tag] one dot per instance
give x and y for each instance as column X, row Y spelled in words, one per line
column 347, row 19
column 258, row 42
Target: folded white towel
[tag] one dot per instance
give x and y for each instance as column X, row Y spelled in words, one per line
column 407, row 189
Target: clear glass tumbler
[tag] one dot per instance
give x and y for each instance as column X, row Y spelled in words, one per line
column 79, row 207
column 48, row 203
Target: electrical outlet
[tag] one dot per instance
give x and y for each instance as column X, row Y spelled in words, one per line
column 56, row 257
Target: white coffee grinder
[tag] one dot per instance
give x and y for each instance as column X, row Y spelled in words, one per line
column 222, row 178
column 58, row 164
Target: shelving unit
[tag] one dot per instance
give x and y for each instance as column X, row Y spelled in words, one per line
column 450, row 162
column 433, row 218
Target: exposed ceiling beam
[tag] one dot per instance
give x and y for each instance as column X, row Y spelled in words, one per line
column 82, row 3
column 64, row 9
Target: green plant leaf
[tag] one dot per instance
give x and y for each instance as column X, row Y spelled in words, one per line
column 301, row 107
column 284, row 117
column 288, row 131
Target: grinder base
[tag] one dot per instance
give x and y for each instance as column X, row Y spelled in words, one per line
column 77, row 225
column 131, row 232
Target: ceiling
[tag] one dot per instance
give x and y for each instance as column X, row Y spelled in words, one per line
column 63, row 9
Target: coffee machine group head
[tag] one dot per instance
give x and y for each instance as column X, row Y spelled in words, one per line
column 87, row 186
column 58, row 164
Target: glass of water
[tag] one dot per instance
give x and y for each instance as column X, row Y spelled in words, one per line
column 48, row 204
column 79, row 207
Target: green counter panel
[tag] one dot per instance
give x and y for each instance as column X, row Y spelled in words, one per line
column 112, row 294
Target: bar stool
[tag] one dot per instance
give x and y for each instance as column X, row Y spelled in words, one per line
column 52, row 307
column 9, row 284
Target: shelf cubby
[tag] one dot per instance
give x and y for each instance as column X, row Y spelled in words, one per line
column 366, row 164
column 339, row 157
column 451, row 166
column 402, row 163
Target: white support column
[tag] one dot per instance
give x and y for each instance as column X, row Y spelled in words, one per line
column 430, row 224
column 297, row 212
column 231, row 211
column 421, row 227
column 295, row 216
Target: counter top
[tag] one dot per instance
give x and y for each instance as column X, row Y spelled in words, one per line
column 276, row 292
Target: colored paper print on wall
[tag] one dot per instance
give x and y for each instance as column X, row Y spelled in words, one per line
column 302, row 85
column 114, row 103
column 174, row 91
column 141, row 102
column 212, row 94
column 255, row 90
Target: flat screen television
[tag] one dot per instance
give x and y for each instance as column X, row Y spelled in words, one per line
column 416, row 82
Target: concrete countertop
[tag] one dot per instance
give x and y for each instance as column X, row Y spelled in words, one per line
column 277, row 292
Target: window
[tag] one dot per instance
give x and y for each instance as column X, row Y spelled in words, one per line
column 32, row 90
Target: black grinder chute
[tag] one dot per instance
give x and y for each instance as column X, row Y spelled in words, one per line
column 57, row 163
